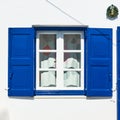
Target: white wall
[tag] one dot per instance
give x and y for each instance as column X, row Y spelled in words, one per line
column 18, row 13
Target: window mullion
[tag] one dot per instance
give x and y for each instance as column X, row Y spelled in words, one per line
column 59, row 60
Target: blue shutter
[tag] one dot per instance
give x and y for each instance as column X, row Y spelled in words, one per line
column 99, row 62
column 118, row 73
column 21, row 62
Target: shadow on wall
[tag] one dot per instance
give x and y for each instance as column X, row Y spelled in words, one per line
column 4, row 115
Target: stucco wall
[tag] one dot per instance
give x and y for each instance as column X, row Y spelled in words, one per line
column 25, row 13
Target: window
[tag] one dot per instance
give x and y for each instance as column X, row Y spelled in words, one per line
column 60, row 60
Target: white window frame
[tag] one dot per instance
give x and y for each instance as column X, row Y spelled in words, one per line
column 60, row 57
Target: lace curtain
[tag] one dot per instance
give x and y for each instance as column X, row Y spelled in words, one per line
column 71, row 60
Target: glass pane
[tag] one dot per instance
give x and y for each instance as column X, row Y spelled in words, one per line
column 72, row 42
column 72, row 79
column 47, row 42
column 47, row 79
column 72, row 60
column 47, row 60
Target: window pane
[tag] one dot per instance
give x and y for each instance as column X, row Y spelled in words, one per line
column 47, row 60
column 72, row 60
column 47, row 42
column 47, row 79
column 72, row 42
column 72, row 79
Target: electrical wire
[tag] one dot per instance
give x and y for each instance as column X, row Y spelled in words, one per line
column 62, row 11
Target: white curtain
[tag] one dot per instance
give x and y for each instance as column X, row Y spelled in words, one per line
column 47, row 62
column 72, row 60
column 48, row 79
column 71, row 79
column 47, row 59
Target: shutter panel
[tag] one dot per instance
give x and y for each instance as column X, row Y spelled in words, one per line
column 99, row 62
column 21, row 62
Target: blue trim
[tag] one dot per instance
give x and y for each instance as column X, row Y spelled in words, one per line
column 118, row 73
column 59, row 28
column 85, row 55
column 59, row 92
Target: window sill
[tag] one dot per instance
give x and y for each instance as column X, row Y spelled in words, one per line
column 60, row 97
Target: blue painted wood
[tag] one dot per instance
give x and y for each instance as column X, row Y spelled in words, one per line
column 118, row 73
column 21, row 75
column 99, row 62
column 59, row 28
column 59, row 92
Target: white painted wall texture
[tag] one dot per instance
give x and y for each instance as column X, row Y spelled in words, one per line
column 25, row 13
